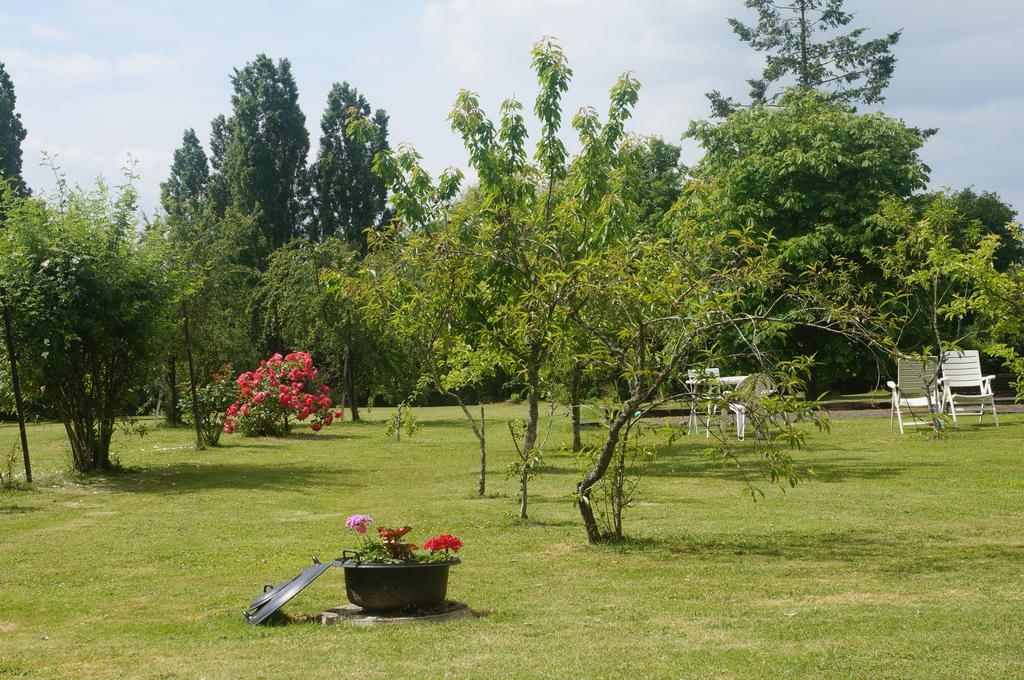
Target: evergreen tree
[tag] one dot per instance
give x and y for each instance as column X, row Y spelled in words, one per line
column 852, row 69
column 218, row 191
column 348, row 197
column 184, row 191
column 12, row 133
column 660, row 180
column 265, row 143
column 183, row 196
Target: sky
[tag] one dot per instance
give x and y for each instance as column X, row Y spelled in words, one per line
column 100, row 81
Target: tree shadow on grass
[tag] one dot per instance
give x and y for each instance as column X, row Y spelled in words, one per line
column 893, row 555
column 832, row 470
column 187, row 477
column 492, row 424
column 842, row 545
column 547, row 522
column 459, row 423
column 17, row 509
column 277, row 442
column 841, row 469
column 333, row 436
column 688, row 464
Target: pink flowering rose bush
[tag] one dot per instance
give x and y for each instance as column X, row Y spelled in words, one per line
column 281, row 392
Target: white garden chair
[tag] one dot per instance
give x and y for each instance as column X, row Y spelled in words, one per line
column 961, row 370
column 916, row 390
column 758, row 385
column 700, row 384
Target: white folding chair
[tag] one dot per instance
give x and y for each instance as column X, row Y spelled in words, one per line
column 961, row 370
column 758, row 385
column 916, row 390
column 700, row 384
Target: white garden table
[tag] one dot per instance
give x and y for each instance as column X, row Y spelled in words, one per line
column 723, row 380
column 727, row 383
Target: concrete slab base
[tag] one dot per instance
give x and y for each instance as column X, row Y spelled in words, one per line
column 448, row 610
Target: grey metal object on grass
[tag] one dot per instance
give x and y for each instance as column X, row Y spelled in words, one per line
column 274, row 597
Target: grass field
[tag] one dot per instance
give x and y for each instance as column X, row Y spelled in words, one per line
column 900, row 557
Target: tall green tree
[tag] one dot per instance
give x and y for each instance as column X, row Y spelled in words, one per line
column 313, row 287
column 218, row 189
column 347, row 196
column 790, row 34
column 978, row 214
column 265, row 143
column 184, row 199
column 210, row 260
column 659, row 179
column 12, row 186
column 213, row 248
column 812, row 173
column 418, row 288
column 12, row 134
column 515, row 234
column 184, row 192
column 533, row 217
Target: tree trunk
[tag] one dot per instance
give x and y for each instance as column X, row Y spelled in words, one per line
column 72, row 404
column 105, row 435
column 278, row 338
column 594, row 475
column 172, row 380
column 575, row 397
column 200, row 443
column 477, row 431
column 523, row 484
column 530, row 440
column 481, row 487
column 19, row 406
column 348, row 384
column 620, row 488
column 805, row 81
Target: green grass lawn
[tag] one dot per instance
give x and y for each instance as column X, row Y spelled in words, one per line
column 900, row 557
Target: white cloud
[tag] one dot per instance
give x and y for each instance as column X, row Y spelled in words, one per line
column 144, row 158
column 48, row 33
column 479, row 37
column 37, row 69
column 144, row 64
column 46, row 70
column 34, row 148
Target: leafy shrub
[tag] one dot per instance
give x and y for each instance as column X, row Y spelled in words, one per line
column 8, row 463
column 213, row 399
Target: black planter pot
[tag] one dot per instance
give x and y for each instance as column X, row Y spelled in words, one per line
column 382, row 587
